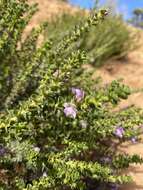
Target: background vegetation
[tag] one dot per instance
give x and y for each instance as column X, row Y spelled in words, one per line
column 110, row 39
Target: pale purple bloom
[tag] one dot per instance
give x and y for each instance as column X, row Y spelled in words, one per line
column 119, row 132
column 79, row 94
column 134, row 140
column 70, row 110
column 2, row 151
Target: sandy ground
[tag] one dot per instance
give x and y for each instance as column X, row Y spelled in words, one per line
column 49, row 9
column 129, row 69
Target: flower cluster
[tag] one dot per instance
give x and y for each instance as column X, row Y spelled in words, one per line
column 119, row 132
column 79, row 94
column 70, row 110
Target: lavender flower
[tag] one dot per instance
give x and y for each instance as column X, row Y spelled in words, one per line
column 70, row 110
column 79, row 94
column 134, row 140
column 2, row 151
column 119, row 132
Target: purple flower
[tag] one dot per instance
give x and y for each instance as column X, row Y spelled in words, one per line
column 70, row 110
column 134, row 140
column 119, row 132
column 2, row 151
column 79, row 94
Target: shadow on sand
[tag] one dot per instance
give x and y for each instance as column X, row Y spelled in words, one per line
column 132, row 186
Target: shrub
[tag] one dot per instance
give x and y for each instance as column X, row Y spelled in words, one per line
column 62, row 132
column 110, row 39
column 14, row 16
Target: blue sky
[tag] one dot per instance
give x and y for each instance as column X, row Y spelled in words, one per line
column 125, row 6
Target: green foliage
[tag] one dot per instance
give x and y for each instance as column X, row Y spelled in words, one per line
column 110, row 39
column 57, row 125
column 14, row 16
